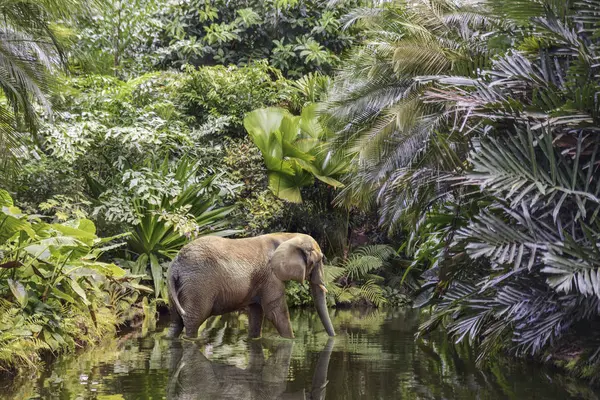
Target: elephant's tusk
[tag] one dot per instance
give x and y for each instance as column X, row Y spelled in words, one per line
column 323, row 288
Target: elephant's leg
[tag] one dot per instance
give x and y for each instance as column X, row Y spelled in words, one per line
column 176, row 326
column 193, row 321
column 277, row 312
column 255, row 318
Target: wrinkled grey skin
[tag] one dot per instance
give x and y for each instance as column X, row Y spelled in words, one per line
column 193, row 376
column 214, row 276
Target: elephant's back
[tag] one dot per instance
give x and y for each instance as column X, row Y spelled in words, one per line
column 227, row 270
column 222, row 258
column 214, row 249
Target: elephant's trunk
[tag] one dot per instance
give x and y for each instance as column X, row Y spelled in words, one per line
column 318, row 292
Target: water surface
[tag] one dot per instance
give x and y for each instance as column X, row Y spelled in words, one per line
column 374, row 356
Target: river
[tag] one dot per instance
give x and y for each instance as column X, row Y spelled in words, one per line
column 374, row 356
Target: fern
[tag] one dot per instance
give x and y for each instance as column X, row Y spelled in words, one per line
column 356, row 273
column 366, row 259
column 372, row 292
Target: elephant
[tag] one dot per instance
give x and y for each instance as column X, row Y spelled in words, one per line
column 214, row 275
column 193, row 376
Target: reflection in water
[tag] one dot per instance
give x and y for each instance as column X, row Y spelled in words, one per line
column 374, row 356
column 195, row 377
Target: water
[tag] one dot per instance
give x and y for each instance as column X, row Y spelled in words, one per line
column 374, row 356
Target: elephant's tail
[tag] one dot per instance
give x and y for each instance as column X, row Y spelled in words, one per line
column 173, row 291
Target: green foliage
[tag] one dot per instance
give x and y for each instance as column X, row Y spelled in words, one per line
column 355, row 280
column 258, row 211
column 295, row 37
column 118, row 38
column 125, row 151
column 31, row 49
column 356, row 276
column 485, row 150
column 378, row 108
column 54, row 292
column 231, row 91
column 395, row 297
column 298, row 294
column 293, row 148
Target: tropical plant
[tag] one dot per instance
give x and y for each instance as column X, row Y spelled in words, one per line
column 231, row 91
column 293, row 148
column 356, row 277
column 54, row 292
column 497, row 158
column 30, row 45
column 118, row 38
column 378, row 111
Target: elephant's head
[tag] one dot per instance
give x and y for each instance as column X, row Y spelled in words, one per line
column 301, row 258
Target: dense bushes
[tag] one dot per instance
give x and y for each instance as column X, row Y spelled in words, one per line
column 476, row 129
column 54, row 293
column 130, row 38
column 231, row 92
column 136, row 154
column 134, row 157
column 295, row 37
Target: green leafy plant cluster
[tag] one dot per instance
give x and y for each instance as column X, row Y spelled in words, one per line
column 231, row 91
column 55, row 294
column 295, row 37
column 32, row 36
column 294, row 150
column 354, row 280
column 117, row 38
column 166, row 206
column 258, row 210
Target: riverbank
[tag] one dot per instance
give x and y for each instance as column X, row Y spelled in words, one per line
column 26, row 348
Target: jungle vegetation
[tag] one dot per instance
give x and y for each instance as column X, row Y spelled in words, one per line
column 444, row 151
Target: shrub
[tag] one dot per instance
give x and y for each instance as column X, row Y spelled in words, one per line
column 54, row 293
column 296, row 37
column 231, row 91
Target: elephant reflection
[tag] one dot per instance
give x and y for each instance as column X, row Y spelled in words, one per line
column 193, row 376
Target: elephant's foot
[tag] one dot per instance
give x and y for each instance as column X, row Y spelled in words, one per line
column 174, row 331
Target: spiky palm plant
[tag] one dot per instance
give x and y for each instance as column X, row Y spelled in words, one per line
column 377, row 109
column 30, row 51
column 518, row 263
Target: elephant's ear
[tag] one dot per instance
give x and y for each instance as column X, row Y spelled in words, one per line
column 289, row 261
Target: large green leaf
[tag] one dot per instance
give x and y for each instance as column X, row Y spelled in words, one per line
column 140, row 265
column 262, row 123
column 85, row 231
column 309, row 122
column 285, row 187
column 19, row 291
column 289, row 128
column 157, row 274
column 13, row 221
column 62, row 295
column 5, row 199
column 79, row 290
column 292, row 151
